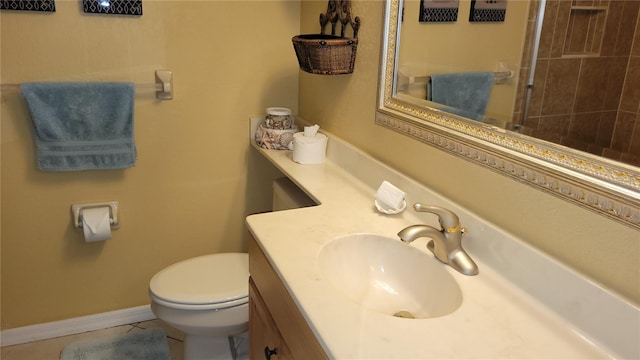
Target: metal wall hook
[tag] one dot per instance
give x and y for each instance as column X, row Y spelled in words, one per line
column 339, row 11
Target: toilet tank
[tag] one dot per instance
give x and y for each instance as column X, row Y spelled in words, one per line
column 287, row 195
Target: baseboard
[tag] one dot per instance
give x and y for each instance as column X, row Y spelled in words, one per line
column 77, row 325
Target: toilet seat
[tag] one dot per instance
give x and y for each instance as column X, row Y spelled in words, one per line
column 208, row 282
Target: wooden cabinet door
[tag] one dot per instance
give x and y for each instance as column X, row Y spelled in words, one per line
column 265, row 341
column 277, row 306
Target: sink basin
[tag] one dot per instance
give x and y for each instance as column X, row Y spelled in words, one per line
column 388, row 276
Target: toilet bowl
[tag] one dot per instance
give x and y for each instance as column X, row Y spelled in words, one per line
column 206, row 298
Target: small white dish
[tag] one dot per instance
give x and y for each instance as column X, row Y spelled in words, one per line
column 390, row 211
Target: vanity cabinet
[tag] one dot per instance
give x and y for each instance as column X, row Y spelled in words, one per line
column 277, row 329
column 265, row 340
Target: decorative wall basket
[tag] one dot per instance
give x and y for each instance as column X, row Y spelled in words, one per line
column 329, row 54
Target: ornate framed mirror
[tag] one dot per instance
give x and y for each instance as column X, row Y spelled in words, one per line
column 608, row 187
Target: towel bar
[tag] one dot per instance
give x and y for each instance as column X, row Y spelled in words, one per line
column 404, row 80
column 163, row 85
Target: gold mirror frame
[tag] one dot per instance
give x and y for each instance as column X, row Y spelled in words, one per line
column 606, row 187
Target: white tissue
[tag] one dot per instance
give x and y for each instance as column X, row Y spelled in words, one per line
column 390, row 197
column 95, row 224
column 311, row 130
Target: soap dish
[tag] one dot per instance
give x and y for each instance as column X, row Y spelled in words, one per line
column 390, row 211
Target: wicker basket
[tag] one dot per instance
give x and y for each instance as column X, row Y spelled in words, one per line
column 325, row 54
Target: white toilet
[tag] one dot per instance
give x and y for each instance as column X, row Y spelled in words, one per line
column 207, row 298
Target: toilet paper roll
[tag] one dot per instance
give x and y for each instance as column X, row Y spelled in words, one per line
column 309, row 149
column 95, row 224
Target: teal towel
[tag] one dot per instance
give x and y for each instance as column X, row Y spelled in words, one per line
column 467, row 92
column 82, row 126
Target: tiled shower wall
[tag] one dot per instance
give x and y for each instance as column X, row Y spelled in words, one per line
column 586, row 92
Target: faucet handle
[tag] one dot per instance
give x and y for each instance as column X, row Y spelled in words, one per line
column 448, row 219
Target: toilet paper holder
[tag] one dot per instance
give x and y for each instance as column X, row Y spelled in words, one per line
column 76, row 210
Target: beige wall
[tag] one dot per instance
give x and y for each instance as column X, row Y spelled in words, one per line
column 345, row 105
column 196, row 178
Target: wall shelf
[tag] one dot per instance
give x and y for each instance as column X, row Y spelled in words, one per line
column 585, row 31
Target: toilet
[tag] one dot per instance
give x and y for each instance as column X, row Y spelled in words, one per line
column 207, row 297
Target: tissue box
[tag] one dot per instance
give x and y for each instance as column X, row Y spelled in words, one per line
column 309, row 149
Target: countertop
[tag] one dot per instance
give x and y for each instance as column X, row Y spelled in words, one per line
column 523, row 304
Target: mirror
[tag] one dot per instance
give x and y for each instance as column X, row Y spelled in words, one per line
column 610, row 188
column 573, row 86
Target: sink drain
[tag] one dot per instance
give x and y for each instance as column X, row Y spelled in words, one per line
column 404, row 314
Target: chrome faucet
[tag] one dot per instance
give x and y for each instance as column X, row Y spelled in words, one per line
column 445, row 244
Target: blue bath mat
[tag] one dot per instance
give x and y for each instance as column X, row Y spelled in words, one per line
column 150, row 344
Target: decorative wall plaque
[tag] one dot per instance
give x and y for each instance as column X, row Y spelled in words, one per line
column 438, row 10
column 488, row 10
column 116, row 7
column 28, row 5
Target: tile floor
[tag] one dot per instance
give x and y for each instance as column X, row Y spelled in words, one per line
column 50, row 349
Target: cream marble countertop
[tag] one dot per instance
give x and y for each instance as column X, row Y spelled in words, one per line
column 521, row 305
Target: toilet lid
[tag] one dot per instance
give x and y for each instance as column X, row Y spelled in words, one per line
column 208, row 279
